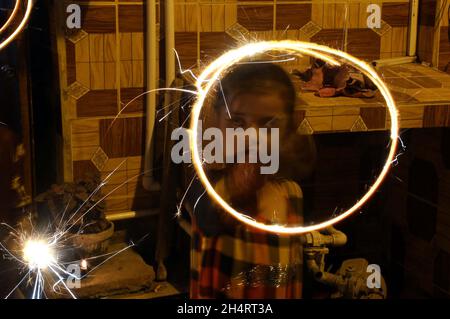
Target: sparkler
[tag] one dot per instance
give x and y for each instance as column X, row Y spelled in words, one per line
column 41, row 259
column 38, row 254
column 41, row 255
column 329, row 55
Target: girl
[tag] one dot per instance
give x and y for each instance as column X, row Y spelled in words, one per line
column 230, row 259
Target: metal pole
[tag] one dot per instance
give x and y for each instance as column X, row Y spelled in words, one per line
column 151, row 65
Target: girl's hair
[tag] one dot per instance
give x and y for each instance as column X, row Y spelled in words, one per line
column 257, row 78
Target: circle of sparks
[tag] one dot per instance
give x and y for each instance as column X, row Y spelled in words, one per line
column 212, row 73
column 29, row 6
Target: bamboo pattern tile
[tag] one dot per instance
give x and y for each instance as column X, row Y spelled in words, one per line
column 97, row 57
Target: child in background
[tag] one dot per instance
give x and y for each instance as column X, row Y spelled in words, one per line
column 230, row 259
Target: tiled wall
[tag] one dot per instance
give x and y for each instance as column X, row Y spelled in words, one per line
column 433, row 36
column 103, row 68
column 444, row 39
column 206, row 28
column 425, row 43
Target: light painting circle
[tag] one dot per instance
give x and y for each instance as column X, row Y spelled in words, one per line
column 212, row 73
column 29, row 6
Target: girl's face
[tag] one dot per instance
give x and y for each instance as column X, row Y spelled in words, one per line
column 256, row 111
column 250, row 110
column 247, row 110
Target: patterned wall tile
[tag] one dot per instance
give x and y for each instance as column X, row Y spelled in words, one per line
column 205, row 18
column 363, row 43
column 99, row 19
column 374, row 117
column 180, row 16
column 444, row 49
column 305, row 128
column 132, row 18
column 83, row 74
column 292, row 16
column 83, row 170
column 213, row 44
column 395, row 14
column 137, row 46
column 192, row 16
column 427, row 12
column 353, row 15
column 79, row 35
column 424, row 45
column 97, row 103
column 310, row 29
column 238, row 33
column 436, row 116
column 330, row 37
column 77, row 90
column 110, row 49
column 82, row 51
column 99, row 159
column 255, row 18
column 70, row 62
column 341, row 13
column 359, row 125
column 385, row 27
column 96, row 48
column 329, row 15
column 186, row 46
column 399, row 41
column 130, row 100
column 122, row 138
column 218, row 18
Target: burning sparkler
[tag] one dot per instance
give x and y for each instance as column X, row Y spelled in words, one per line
column 42, row 256
column 38, row 254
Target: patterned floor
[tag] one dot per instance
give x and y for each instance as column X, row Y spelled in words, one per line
column 422, row 95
